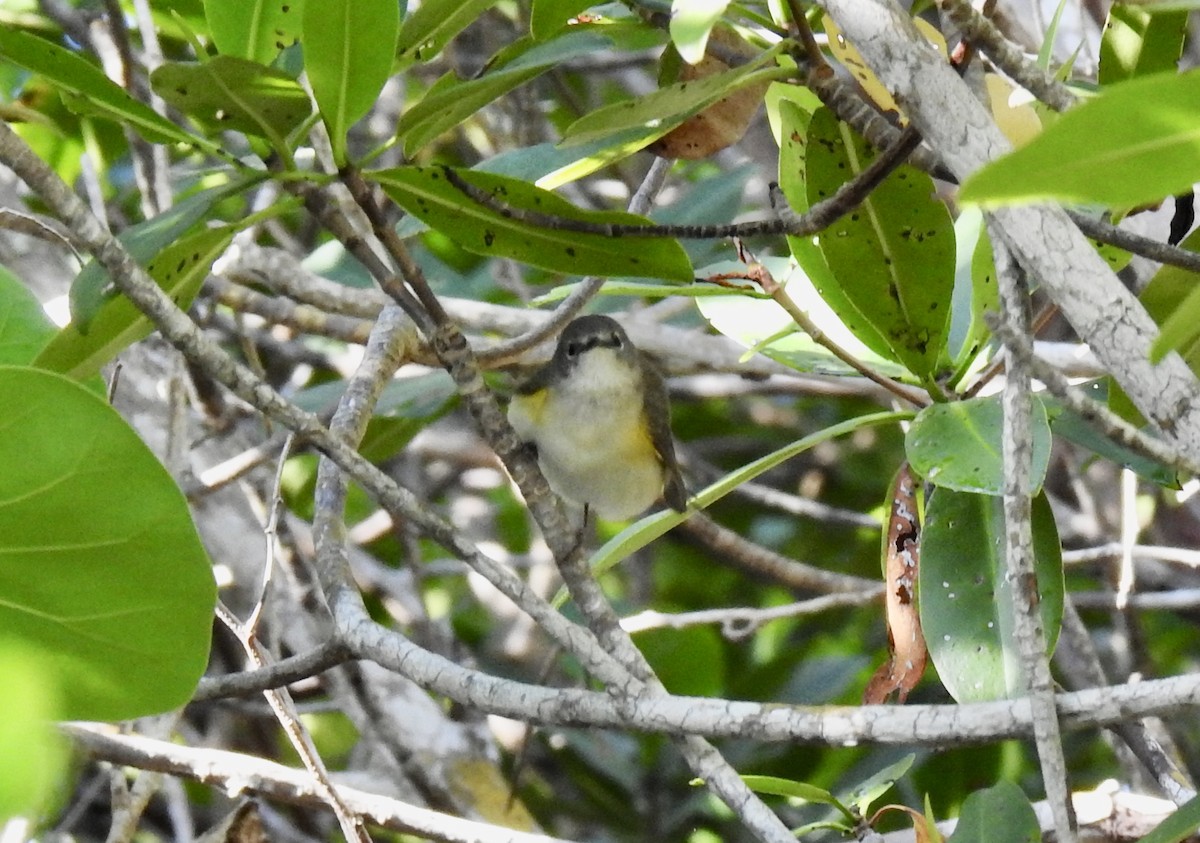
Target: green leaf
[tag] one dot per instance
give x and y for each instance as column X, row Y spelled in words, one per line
column 93, row 287
column 227, row 92
column 549, row 16
column 349, row 46
column 893, row 256
column 428, row 29
column 115, row 590
column 1178, row 826
column 73, row 74
column 180, row 269
column 1138, row 42
column 688, row 661
column 662, row 110
column 793, row 130
column 35, row 754
column 867, row 791
column 957, row 445
column 253, row 29
column 966, row 598
column 1071, row 426
column 639, row 534
column 1168, row 298
column 975, row 289
column 24, row 327
column 776, row 786
column 1135, row 143
column 426, row 194
column 691, row 22
column 1000, row 814
column 451, row 101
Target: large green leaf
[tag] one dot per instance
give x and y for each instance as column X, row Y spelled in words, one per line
column 431, row 26
column 966, row 598
column 1139, row 41
column 73, row 74
column 793, row 135
column 24, row 327
column 893, row 256
column 1135, row 143
column 180, row 269
column 957, row 445
column 227, row 92
column 253, row 29
column 1000, row 814
column 659, row 111
column 114, row 590
column 426, row 193
column 349, row 46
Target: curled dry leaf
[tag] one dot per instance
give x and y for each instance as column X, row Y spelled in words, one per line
column 724, row 122
column 902, row 556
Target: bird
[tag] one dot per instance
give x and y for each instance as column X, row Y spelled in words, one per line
column 599, row 419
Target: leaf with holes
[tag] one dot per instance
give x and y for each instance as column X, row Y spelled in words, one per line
column 892, row 257
column 349, row 47
column 431, row 26
column 253, row 29
column 180, row 269
column 966, row 598
column 958, row 445
column 114, row 591
column 426, row 193
column 232, row 93
column 793, row 132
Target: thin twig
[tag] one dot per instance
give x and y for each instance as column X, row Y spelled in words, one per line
column 1017, row 454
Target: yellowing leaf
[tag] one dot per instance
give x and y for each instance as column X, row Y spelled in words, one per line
column 1011, row 110
column 852, row 60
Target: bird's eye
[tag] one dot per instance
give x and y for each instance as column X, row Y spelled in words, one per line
column 616, row 340
column 572, row 349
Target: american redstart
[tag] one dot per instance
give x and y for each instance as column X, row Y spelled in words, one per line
column 599, row 417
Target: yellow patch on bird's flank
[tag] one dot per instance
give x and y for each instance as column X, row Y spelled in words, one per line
column 532, row 405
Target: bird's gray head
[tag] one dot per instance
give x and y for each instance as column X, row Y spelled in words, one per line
column 589, row 332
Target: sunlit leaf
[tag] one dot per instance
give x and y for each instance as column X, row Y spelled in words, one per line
column 691, row 23
column 73, row 74
column 349, row 47
column 1139, row 41
column 1135, row 143
column 254, row 29
column 114, row 590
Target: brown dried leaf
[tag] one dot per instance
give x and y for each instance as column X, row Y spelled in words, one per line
column 902, row 556
column 724, row 122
